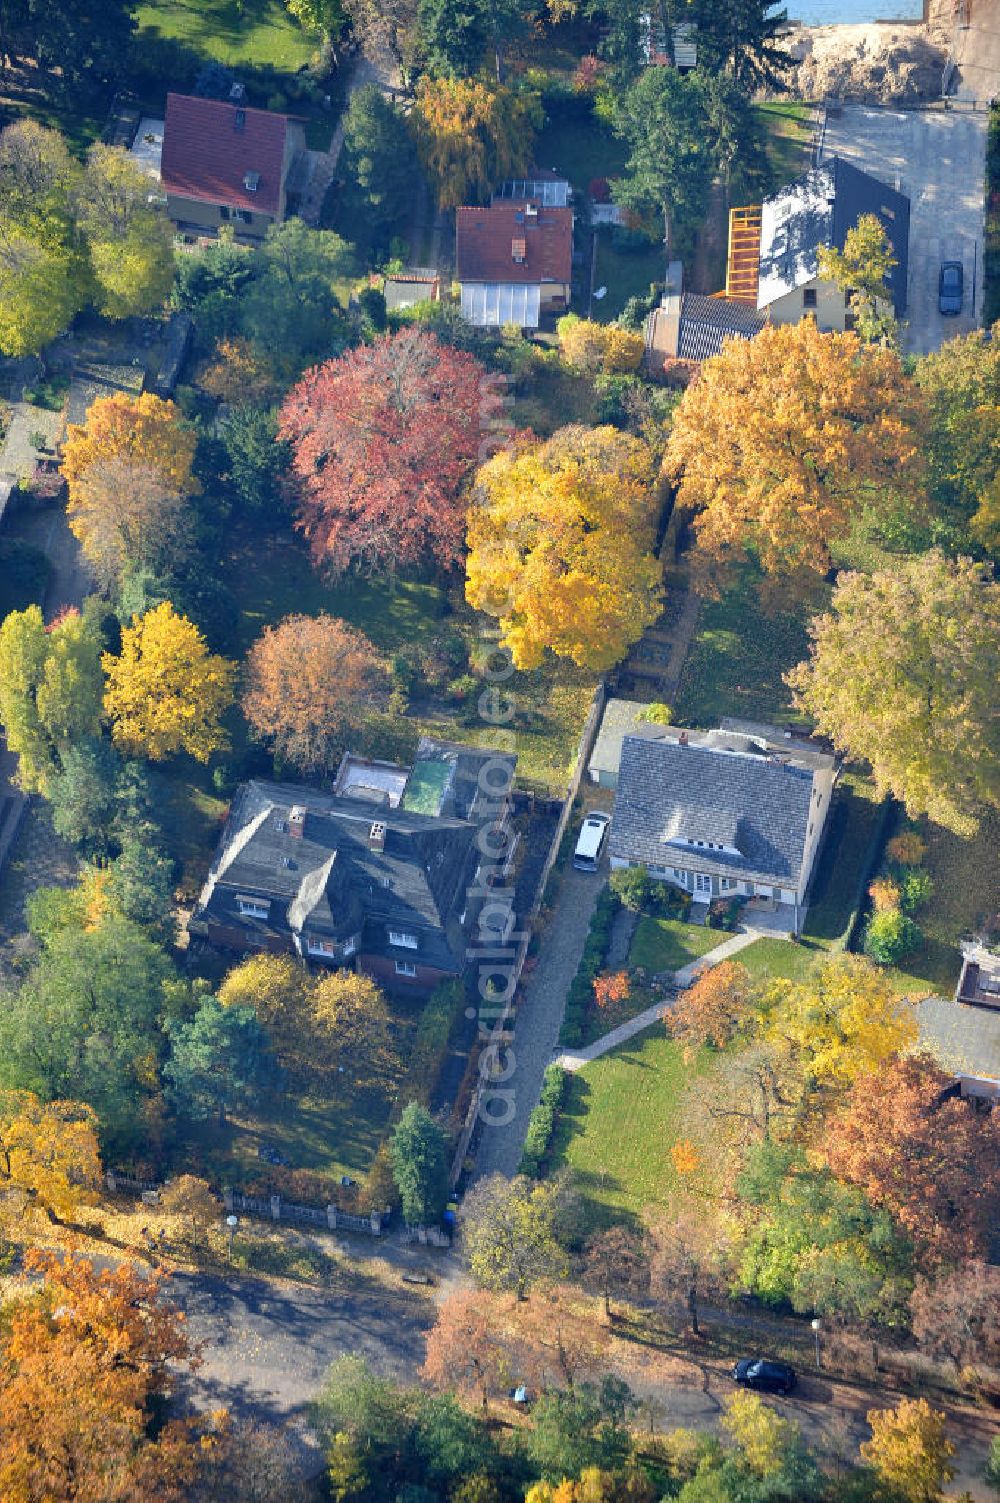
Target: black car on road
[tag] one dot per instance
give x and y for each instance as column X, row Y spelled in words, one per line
column 951, row 288
column 769, row 1377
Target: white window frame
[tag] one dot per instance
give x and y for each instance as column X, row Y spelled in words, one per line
column 726, row 884
column 702, row 882
column 324, row 948
column 406, row 968
column 404, row 939
column 258, row 908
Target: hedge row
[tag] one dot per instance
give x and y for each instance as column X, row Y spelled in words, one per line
column 430, row 1042
column 542, row 1122
column 595, row 953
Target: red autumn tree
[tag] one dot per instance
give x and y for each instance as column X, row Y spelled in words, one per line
column 930, row 1160
column 958, row 1315
column 82, row 1358
column 308, row 681
column 384, row 441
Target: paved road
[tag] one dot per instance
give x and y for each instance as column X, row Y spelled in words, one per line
column 539, row 1018
column 936, row 157
column 266, row 1346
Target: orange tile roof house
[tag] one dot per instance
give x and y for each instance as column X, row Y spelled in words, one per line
column 226, row 164
column 514, row 262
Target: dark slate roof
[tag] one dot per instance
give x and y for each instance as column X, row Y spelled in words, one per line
column 668, row 791
column 330, row 883
column 706, row 322
column 817, row 209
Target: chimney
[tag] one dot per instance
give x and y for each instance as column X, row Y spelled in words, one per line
column 376, row 836
column 683, row 738
column 297, row 821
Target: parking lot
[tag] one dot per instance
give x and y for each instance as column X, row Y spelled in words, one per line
column 936, row 157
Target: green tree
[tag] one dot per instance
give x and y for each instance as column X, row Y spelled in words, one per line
column 508, row 1230
column 378, row 165
column 50, row 690
column 861, row 271
column 219, row 1059
column 255, row 458
column 902, row 673
column 129, row 239
column 290, row 308
column 81, row 793
column 961, row 381
column 141, row 883
column 454, row 37
column 366, row 1423
column 419, row 1153
column 564, row 1436
column 817, row 1244
column 451, row 1444
column 210, row 281
column 741, row 39
column 78, row 50
column 326, row 17
column 664, row 119
column 85, row 1024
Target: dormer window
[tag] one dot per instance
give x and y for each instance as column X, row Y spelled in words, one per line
column 257, row 908
column 251, row 181
column 325, row 948
column 404, row 938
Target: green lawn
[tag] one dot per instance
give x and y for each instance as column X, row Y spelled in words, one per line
column 739, row 653
column 625, row 274
column 789, row 136
column 667, row 944
column 239, row 33
column 620, row 1121
column 273, row 577
column 966, row 877
column 780, row 958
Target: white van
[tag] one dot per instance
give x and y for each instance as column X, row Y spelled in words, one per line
column 591, row 842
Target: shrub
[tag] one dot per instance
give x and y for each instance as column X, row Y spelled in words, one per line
column 884, row 894
column 907, row 848
column 917, row 889
column 542, row 1122
column 636, row 890
column 657, row 714
column 430, row 1043
column 581, row 990
column 890, row 935
column 724, row 913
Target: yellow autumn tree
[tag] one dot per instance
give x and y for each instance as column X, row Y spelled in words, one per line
column 763, row 1438
column 910, row 1450
column 471, row 134
column 783, row 439
column 844, row 1021
column 165, row 691
column 143, row 430
column 49, row 1158
column 589, row 347
column 561, row 539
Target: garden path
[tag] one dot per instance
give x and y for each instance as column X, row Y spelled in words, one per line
column 578, row 1057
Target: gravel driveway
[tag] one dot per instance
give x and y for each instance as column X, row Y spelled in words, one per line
column 539, row 1018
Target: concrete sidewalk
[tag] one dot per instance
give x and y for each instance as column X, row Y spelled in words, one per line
column 682, row 978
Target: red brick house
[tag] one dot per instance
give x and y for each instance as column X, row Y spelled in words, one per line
column 224, row 163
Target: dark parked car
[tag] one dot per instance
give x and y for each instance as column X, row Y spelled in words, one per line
column 770, row 1377
column 951, row 287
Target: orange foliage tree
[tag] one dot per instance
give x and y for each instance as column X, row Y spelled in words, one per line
column 713, row 1008
column 471, row 1347
column 785, row 437
column 308, row 681
column 144, row 429
column 471, row 134
column 611, row 987
column 82, row 1359
column 616, row 1262
column 933, row 1164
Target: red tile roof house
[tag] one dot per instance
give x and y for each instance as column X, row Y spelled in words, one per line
column 514, row 262
column 226, row 164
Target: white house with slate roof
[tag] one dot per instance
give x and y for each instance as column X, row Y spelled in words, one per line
column 723, row 813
